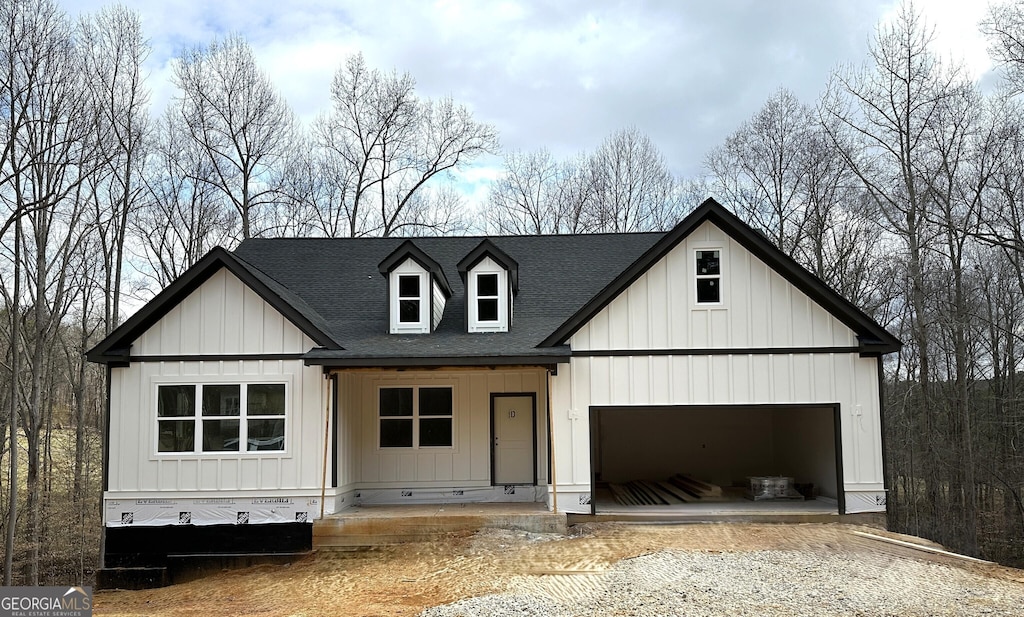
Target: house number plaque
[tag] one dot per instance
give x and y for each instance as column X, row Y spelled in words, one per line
column 512, row 413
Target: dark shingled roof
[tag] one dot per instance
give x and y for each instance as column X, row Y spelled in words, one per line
column 339, row 280
column 333, row 290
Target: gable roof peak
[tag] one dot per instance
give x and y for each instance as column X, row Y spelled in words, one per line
column 114, row 348
column 487, row 248
column 409, row 250
column 875, row 339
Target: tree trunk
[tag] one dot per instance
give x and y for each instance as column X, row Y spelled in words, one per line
column 15, row 314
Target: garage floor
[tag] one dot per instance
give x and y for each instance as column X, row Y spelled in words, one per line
column 606, row 504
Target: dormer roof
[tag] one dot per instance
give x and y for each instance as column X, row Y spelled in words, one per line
column 487, row 248
column 409, row 250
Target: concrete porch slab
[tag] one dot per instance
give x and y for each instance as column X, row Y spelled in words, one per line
column 377, row 525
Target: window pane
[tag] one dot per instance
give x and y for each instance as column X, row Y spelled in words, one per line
column 220, row 435
column 177, row 436
column 409, row 311
column 266, row 434
column 176, row 401
column 408, row 287
column 436, row 432
column 487, row 285
column 487, row 310
column 435, row 401
column 708, row 262
column 395, row 433
column 396, row 401
column 221, row 401
column 265, row 399
column 708, row 290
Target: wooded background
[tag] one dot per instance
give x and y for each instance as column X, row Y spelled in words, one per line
column 902, row 187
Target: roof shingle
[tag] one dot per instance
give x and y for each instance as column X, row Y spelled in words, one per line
column 338, row 278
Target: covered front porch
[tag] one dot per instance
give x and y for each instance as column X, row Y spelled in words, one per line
column 437, row 436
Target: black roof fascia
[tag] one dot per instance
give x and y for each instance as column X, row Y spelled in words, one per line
column 408, row 249
column 881, row 341
column 548, row 360
column 114, row 349
column 487, row 248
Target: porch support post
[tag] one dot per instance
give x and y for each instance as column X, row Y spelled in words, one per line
column 551, row 446
column 327, row 440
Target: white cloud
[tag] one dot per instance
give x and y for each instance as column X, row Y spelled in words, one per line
column 561, row 75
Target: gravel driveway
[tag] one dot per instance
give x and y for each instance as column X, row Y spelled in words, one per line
column 606, row 569
column 844, row 576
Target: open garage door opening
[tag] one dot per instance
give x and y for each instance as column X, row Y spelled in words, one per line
column 709, row 460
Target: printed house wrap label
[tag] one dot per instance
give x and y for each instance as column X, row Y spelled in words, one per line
column 208, row 511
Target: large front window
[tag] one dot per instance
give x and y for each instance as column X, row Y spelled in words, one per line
column 229, row 415
column 415, row 416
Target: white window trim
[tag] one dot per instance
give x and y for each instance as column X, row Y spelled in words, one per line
column 475, row 324
column 721, row 276
column 197, row 451
column 415, row 417
column 409, row 268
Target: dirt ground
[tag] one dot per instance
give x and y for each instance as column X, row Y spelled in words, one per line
column 405, row 579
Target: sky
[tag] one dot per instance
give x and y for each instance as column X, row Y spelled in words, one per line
column 562, row 74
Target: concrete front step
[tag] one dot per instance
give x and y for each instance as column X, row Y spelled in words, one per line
column 381, row 525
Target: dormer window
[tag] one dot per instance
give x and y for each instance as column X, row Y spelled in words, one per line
column 488, row 298
column 410, row 302
column 409, row 299
column 492, row 279
column 417, row 290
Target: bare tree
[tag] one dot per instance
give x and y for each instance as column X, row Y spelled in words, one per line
column 51, row 148
column 925, row 148
column 762, row 169
column 634, row 189
column 625, row 185
column 538, row 195
column 574, row 195
column 382, row 145
column 181, row 217
column 240, row 121
column 113, row 49
column 1004, row 27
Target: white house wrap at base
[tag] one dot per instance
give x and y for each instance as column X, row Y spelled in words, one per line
column 293, row 378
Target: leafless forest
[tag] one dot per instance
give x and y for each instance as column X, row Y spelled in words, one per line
column 902, row 186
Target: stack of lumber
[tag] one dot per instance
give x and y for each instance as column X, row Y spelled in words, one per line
column 676, row 490
column 697, row 488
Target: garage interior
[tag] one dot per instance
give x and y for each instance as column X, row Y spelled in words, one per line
column 689, row 459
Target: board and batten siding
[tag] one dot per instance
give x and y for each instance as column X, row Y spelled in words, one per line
column 363, row 464
column 222, row 317
column 759, row 307
column 759, row 310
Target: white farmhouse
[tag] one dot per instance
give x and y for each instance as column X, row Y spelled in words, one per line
column 295, row 378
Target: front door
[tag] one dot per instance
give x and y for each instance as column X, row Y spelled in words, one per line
column 512, row 424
